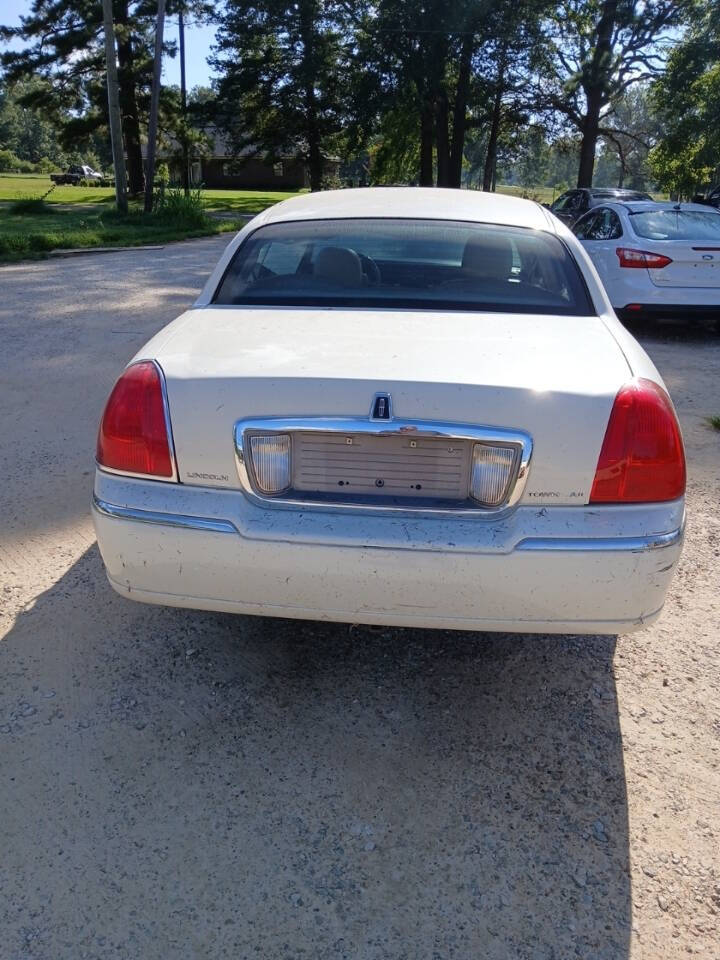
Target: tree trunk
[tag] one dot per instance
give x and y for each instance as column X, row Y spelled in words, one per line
column 315, row 159
column 594, row 85
column 154, row 105
column 460, row 113
column 442, row 141
column 491, row 156
column 129, row 105
column 312, row 129
column 183, row 106
column 114, row 110
column 590, row 129
column 426, row 146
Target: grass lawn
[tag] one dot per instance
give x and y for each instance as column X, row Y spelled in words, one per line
column 84, row 217
column 20, row 186
column 92, row 226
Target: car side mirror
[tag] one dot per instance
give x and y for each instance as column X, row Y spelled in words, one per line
column 698, row 198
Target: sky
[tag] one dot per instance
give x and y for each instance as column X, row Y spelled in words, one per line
column 198, row 40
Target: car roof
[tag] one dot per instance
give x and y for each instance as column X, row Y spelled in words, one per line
column 417, row 203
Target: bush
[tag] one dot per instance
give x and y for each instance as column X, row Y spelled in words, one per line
column 162, row 174
column 172, row 207
column 9, row 162
column 13, row 244
column 30, row 206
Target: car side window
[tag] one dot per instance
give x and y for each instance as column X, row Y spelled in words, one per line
column 580, row 203
column 605, row 226
column 561, row 202
column 584, row 228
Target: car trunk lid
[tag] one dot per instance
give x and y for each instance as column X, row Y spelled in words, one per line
column 552, row 377
column 693, row 264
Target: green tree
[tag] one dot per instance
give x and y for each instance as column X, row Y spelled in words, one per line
column 600, row 48
column 25, row 131
column 63, row 47
column 449, row 69
column 283, row 79
column 687, row 101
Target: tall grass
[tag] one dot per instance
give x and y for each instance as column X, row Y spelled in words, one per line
column 29, row 206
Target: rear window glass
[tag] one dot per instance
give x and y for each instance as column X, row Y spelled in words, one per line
column 420, row 264
column 621, row 195
column 677, row 225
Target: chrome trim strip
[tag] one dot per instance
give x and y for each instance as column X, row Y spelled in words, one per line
column 603, row 544
column 416, row 428
column 168, row 427
column 183, row 521
column 529, row 544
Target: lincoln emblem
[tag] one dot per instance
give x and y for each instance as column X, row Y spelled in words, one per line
column 381, row 408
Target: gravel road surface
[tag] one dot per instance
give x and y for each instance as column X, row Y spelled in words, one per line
column 181, row 785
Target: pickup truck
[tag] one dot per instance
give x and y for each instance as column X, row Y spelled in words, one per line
column 79, row 172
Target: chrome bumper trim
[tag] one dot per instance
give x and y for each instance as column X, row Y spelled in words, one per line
column 529, row 544
column 517, row 439
column 609, row 544
column 163, row 519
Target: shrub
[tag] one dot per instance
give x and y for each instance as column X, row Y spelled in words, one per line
column 9, row 162
column 13, row 244
column 174, row 208
column 30, row 206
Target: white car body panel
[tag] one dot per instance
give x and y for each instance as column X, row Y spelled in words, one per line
column 553, row 563
column 691, row 280
column 227, row 363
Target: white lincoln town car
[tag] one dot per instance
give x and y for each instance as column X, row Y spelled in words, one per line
column 396, row 406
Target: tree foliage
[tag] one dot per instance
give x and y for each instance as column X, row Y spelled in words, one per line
column 599, row 50
column 283, row 78
column 687, row 101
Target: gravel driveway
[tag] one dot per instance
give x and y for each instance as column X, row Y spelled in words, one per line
column 188, row 785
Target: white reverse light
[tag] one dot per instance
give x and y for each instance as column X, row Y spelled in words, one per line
column 492, row 471
column 271, row 462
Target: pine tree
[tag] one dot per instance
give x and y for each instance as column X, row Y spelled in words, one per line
column 283, row 79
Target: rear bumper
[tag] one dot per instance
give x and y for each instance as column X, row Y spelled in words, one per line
column 669, row 311
column 554, row 570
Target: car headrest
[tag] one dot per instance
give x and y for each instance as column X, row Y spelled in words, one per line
column 489, row 257
column 339, row 265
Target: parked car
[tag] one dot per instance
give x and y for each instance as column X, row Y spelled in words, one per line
column 656, row 259
column 573, row 204
column 78, row 172
column 711, row 198
column 396, row 406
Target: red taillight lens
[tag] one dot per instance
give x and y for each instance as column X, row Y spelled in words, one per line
column 133, row 434
column 641, row 259
column 642, row 458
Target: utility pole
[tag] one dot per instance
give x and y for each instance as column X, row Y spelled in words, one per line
column 183, row 102
column 154, row 104
column 116, row 137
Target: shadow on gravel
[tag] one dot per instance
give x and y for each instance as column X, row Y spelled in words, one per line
column 206, row 785
column 689, row 331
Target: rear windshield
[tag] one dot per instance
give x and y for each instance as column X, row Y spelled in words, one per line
column 419, row 264
column 677, row 225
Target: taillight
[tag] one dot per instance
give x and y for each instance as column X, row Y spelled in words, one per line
column 134, row 430
column 641, row 259
column 642, row 458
